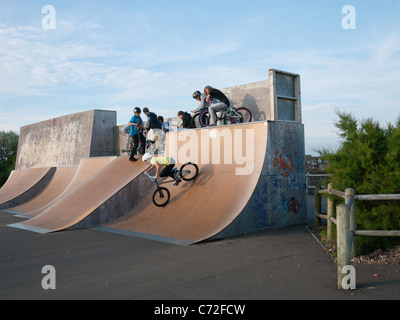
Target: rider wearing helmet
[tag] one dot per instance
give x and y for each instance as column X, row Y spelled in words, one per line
column 196, row 95
column 156, row 162
column 201, row 98
column 136, row 125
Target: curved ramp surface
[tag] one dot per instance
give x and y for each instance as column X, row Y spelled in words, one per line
column 252, row 177
column 97, row 197
column 58, row 183
column 23, row 185
column 86, row 169
column 200, row 209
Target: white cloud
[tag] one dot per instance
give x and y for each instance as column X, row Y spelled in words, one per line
column 162, row 70
column 32, row 66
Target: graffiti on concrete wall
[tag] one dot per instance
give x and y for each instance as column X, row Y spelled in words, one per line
column 283, row 163
column 281, row 195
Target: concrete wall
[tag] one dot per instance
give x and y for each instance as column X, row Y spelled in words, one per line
column 275, row 99
column 279, row 199
column 63, row 141
column 254, row 96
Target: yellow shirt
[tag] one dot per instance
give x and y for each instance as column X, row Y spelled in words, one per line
column 162, row 161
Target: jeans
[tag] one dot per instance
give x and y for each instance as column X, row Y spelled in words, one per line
column 215, row 108
column 167, row 171
column 136, row 139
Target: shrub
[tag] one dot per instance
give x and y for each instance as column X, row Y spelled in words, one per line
column 368, row 160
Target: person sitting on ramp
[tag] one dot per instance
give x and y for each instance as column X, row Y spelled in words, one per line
column 169, row 167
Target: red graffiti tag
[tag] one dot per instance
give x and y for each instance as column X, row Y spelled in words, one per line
column 294, row 206
column 284, row 163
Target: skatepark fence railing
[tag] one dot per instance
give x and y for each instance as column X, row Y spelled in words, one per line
column 345, row 222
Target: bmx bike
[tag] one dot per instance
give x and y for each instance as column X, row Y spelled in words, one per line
column 188, row 172
column 129, row 146
column 229, row 116
column 196, row 122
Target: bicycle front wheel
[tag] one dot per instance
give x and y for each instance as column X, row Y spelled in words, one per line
column 161, row 197
column 241, row 115
column 196, row 120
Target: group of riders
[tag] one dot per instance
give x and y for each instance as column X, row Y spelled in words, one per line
column 212, row 98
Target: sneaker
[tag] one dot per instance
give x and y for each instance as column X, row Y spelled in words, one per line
column 177, row 181
column 133, row 159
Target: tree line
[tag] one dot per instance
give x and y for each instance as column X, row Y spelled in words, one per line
column 8, row 154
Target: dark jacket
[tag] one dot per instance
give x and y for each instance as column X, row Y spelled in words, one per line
column 215, row 93
column 187, row 120
column 152, row 121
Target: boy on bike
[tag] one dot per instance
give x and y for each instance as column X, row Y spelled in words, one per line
column 136, row 126
column 201, row 98
column 222, row 104
column 157, row 162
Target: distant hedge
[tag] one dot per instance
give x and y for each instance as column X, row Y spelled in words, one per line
column 368, row 160
column 8, row 154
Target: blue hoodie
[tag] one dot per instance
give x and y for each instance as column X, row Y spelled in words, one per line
column 138, row 121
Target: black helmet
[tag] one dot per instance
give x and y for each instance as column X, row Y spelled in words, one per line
column 196, row 95
column 137, row 110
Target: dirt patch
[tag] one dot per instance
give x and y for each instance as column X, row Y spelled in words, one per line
column 390, row 256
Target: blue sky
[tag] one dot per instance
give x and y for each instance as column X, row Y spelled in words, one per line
column 122, row 54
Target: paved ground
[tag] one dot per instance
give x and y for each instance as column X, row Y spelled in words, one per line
column 285, row 264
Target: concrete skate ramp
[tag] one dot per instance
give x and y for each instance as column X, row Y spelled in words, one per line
column 86, row 169
column 252, row 177
column 58, row 183
column 64, row 180
column 23, row 185
column 104, row 196
column 201, row 209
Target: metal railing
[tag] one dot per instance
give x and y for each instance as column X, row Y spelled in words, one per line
column 345, row 221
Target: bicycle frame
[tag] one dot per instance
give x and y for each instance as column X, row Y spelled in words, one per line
column 230, row 112
column 183, row 174
column 160, row 183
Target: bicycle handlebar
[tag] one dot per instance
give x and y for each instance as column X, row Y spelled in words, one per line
column 151, row 178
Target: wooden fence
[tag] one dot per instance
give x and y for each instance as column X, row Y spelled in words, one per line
column 345, row 221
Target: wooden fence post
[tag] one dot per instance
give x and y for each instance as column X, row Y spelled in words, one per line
column 330, row 213
column 352, row 193
column 317, row 209
column 343, row 241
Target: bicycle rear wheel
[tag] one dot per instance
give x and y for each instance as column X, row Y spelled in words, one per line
column 196, row 120
column 189, row 171
column 204, row 118
column 161, row 197
column 241, row 115
column 129, row 147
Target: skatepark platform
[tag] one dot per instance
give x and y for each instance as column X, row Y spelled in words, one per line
column 252, row 176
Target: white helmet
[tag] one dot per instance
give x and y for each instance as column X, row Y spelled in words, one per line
column 147, row 156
